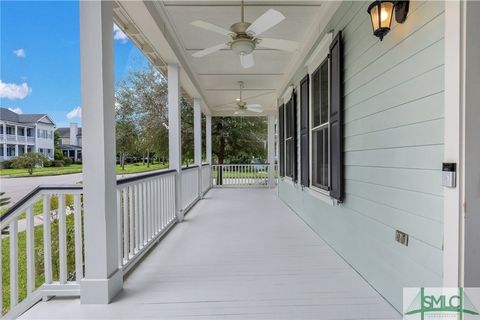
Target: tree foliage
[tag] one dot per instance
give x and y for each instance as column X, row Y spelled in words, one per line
column 238, row 139
column 142, row 124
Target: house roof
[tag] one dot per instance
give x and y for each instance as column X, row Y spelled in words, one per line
column 69, row 147
column 8, row 115
column 65, row 132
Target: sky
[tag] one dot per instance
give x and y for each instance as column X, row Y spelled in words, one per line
column 40, row 58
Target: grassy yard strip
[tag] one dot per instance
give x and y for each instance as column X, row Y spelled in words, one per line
column 77, row 168
column 39, row 172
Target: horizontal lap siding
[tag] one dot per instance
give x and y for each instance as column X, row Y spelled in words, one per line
column 394, row 109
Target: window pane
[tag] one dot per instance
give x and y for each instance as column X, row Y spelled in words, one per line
column 324, row 91
column 317, row 161
column 325, row 156
column 315, row 99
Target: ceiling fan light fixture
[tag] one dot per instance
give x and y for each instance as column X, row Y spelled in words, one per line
column 243, row 46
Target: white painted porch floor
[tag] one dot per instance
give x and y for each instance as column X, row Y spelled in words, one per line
column 240, row 254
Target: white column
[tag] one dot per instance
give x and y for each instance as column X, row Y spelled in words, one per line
column 175, row 133
column 103, row 279
column 5, row 150
column 16, row 149
column 197, row 138
column 16, row 133
column 271, row 150
column 209, row 138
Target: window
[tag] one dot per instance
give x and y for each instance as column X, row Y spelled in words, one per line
column 289, row 139
column 1, row 129
column 10, row 151
column 21, row 131
column 10, row 130
column 29, row 132
column 320, row 127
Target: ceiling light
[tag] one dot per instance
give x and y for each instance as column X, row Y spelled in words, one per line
column 243, row 46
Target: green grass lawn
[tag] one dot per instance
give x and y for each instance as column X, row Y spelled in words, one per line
column 39, row 260
column 47, row 171
column 77, row 168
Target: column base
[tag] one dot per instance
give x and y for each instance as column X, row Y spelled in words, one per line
column 101, row 291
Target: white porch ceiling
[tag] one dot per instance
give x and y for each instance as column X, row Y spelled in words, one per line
column 216, row 76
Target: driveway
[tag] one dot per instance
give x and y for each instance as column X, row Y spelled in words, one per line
column 17, row 188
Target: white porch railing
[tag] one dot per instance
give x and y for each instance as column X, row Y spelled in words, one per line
column 145, row 211
column 206, row 177
column 240, row 175
column 11, row 138
column 43, row 230
column 190, row 192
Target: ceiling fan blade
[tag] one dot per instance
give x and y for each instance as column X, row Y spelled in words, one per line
column 238, row 112
column 227, row 107
column 255, row 110
column 247, row 61
column 253, row 106
column 248, row 98
column 279, row 44
column 266, row 21
column 211, row 27
column 210, row 50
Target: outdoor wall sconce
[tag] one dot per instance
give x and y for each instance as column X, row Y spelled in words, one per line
column 381, row 14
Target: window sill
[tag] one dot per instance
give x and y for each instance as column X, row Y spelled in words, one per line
column 321, row 195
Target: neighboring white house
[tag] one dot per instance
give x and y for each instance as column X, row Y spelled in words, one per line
column 70, row 142
column 22, row 133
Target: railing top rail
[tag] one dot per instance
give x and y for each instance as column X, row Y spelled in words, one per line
column 242, row 164
column 205, row 164
column 189, row 167
column 37, row 190
column 145, row 176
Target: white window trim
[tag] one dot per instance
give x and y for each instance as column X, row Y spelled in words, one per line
column 319, row 54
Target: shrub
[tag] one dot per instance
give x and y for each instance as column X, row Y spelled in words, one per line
column 58, row 154
column 30, row 161
column 58, row 163
column 67, row 161
column 7, row 164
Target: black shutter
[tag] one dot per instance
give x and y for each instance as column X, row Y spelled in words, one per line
column 281, row 143
column 304, row 132
column 295, row 137
column 336, row 118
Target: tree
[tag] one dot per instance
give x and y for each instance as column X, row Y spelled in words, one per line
column 29, row 161
column 238, row 137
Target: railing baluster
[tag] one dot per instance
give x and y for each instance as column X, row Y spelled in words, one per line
column 77, row 212
column 142, row 214
column 13, row 230
column 62, row 239
column 119, row 227
column 131, row 225
column 137, row 220
column 125, row 223
column 30, row 237
column 47, row 242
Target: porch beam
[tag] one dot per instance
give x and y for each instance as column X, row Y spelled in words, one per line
column 175, row 133
column 103, row 278
column 197, row 138
column 271, row 151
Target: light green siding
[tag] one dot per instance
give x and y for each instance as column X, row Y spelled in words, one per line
column 394, row 110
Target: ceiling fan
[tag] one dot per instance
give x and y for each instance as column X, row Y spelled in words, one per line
column 241, row 105
column 245, row 36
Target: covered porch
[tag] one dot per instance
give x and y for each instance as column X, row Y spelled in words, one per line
column 238, row 254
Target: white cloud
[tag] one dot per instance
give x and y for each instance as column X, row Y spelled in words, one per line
column 16, row 110
column 20, row 53
column 75, row 113
column 14, row 91
column 118, row 34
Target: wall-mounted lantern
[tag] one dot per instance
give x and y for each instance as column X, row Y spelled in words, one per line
column 381, row 14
